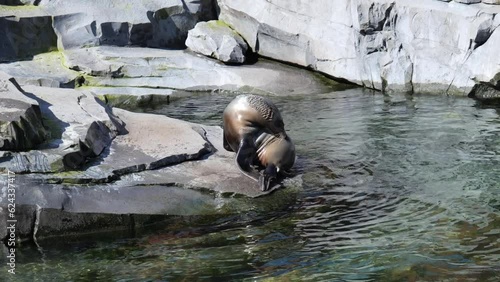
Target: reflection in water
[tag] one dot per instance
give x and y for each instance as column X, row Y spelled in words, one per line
column 395, row 188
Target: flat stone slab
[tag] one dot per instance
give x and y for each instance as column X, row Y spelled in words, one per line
column 108, row 66
column 45, row 69
column 209, row 186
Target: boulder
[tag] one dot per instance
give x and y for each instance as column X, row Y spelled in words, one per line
column 80, row 128
column 21, row 126
column 152, row 142
column 216, row 39
column 420, row 46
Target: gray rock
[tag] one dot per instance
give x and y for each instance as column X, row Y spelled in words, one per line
column 75, row 30
column 217, row 40
column 45, row 69
column 47, row 210
column 493, row 2
column 180, row 70
column 468, row 1
column 485, row 92
column 424, row 46
column 81, row 127
column 18, row 2
column 154, row 23
column 165, row 142
column 21, row 126
column 153, row 142
column 218, row 172
column 174, row 153
column 24, row 37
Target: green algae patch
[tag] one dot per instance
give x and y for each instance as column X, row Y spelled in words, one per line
column 131, row 102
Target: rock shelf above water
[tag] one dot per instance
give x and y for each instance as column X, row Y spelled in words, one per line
column 82, row 164
column 96, row 163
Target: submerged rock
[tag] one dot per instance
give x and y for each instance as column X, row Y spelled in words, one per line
column 468, row 1
column 216, row 39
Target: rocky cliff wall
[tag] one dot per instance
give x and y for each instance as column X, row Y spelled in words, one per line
column 403, row 45
column 66, row 24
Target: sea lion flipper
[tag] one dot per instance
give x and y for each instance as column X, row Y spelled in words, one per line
column 225, row 143
column 267, row 176
column 244, row 157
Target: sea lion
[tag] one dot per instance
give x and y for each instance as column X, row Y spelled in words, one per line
column 254, row 129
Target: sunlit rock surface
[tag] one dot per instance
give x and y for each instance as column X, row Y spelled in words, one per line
column 218, row 40
column 181, row 70
column 420, row 46
column 66, row 24
column 21, row 126
column 46, row 69
column 79, row 128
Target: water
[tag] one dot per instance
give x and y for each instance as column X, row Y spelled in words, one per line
column 396, row 188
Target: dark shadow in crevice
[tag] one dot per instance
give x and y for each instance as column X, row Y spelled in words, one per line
column 51, row 123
